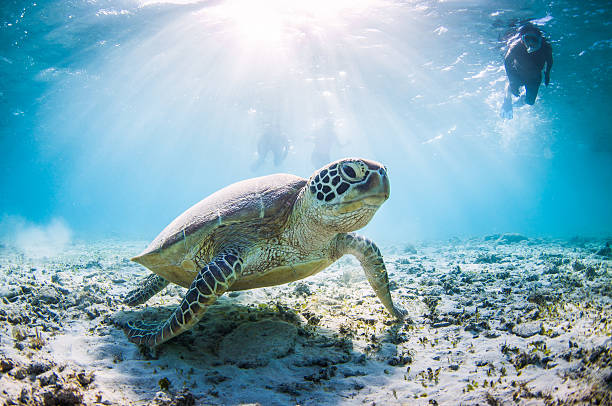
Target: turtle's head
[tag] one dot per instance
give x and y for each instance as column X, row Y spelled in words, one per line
column 345, row 194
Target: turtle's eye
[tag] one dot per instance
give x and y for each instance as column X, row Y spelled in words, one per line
column 352, row 171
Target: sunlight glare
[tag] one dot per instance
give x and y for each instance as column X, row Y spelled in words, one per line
column 273, row 21
column 145, row 3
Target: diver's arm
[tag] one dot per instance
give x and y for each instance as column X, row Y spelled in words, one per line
column 549, row 62
column 506, row 110
column 509, row 61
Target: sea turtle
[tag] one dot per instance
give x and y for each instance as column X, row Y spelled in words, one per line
column 262, row 232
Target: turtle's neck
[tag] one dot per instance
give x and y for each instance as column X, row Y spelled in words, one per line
column 304, row 229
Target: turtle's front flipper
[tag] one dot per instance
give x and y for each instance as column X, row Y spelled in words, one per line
column 148, row 287
column 212, row 281
column 372, row 262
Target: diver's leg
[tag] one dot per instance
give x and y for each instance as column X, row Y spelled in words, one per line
column 278, row 154
column 212, row 281
column 281, row 152
column 150, row 286
column 531, row 91
column 372, row 262
column 263, row 146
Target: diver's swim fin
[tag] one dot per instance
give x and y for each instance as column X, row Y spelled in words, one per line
column 506, row 110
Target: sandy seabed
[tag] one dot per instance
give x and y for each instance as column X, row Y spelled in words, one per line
column 499, row 320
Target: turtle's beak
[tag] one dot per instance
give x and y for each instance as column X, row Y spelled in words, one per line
column 376, row 189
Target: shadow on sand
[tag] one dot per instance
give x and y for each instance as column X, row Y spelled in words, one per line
column 266, row 354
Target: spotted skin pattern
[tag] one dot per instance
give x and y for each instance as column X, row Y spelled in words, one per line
column 373, row 265
column 212, row 281
column 335, row 180
column 149, row 286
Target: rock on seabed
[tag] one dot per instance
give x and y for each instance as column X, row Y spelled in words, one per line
column 527, row 330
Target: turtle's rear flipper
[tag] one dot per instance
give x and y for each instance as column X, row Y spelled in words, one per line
column 212, row 281
column 150, row 286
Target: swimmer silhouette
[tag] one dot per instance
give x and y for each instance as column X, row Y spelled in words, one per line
column 274, row 141
column 324, row 139
column 528, row 52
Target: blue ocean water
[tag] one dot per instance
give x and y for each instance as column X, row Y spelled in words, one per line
column 117, row 115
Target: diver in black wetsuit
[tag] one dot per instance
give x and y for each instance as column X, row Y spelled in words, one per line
column 527, row 54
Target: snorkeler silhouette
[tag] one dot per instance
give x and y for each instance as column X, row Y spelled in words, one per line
column 324, row 139
column 272, row 140
column 528, row 52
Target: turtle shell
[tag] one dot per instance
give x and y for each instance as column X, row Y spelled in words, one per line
column 266, row 200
